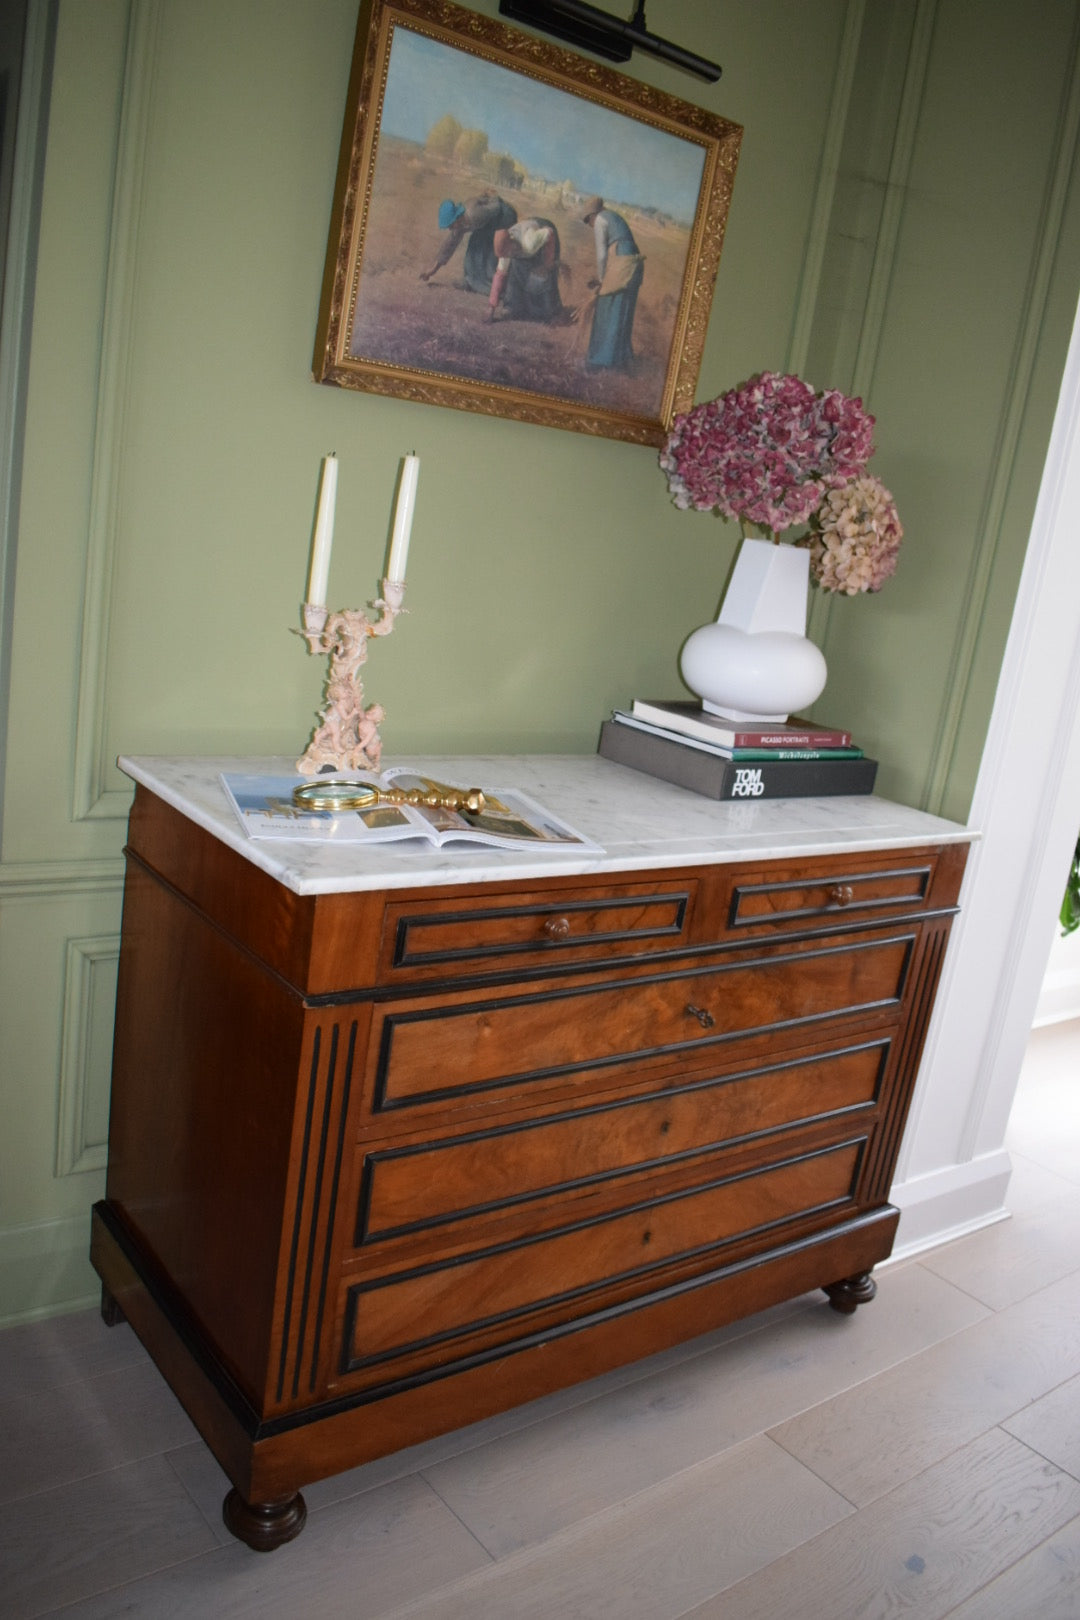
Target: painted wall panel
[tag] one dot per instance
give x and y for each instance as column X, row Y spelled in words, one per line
column 957, row 376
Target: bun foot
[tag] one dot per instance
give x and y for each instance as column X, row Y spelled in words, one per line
column 264, row 1525
column 852, row 1291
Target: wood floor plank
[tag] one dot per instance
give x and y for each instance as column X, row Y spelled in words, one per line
column 207, row 1484
column 36, row 1356
column 354, row 1561
column 1051, row 1426
column 656, row 1556
column 93, row 1535
column 869, row 1439
column 920, row 1551
column 1039, row 1244
column 1044, row 1585
column 528, row 1485
column 89, row 1427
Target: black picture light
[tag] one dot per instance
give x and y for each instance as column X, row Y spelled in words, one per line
column 598, row 31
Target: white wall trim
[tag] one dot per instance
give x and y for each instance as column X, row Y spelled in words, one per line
column 1026, row 806
column 46, row 1269
column 950, row 1203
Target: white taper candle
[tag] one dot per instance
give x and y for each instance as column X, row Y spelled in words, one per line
column 403, row 516
column 323, row 537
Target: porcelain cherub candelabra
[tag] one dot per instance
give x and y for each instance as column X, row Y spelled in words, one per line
column 347, row 736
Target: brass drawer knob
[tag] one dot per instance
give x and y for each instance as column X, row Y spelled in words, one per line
column 702, row 1014
column 557, row 927
column 841, row 894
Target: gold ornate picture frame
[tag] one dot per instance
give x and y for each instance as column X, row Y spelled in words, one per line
column 519, row 231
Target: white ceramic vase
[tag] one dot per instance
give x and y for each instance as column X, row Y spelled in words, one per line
column 756, row 663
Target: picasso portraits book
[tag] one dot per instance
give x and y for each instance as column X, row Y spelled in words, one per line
column 621, row 718
column 689, row 717
column 266, row 807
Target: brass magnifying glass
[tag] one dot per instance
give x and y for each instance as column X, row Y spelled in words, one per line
column 331, row 793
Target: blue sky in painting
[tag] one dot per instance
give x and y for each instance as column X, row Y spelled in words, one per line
column 555, row 134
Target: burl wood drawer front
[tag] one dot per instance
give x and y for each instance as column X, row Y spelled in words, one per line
column 433, row 1183
column 482, row 1298
column 810, row 899
column 580, row 923
column 460, row 1047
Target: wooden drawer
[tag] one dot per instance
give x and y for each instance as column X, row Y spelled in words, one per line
column 583, row 1151
column 436, row 1314
column 812, row 893
column 573, row 924
column 463, row 1049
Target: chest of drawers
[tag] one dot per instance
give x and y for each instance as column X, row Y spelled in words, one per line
column 385, row 1160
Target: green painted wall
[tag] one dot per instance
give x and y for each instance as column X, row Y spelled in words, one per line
column 957, row 227
column 904, row 221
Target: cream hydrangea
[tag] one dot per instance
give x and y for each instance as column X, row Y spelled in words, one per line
column 854, row 537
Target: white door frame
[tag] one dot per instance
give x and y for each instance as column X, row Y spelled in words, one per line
column 954, row 1170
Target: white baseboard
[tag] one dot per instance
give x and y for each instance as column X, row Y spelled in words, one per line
column 950, row 1203
column 45, row 1270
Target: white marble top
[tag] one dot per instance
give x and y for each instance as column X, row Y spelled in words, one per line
column 639, row 822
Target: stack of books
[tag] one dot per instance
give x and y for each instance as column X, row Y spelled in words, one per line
column 682, row 742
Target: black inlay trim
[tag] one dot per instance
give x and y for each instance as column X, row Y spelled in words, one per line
column 294, row 1247
column 880, row 1171
column 567, row 1296
column 381, row 1103
column 235, row 1401
column 163, row 1296
column 549, row 968
column 538, row 1337
column 743, row 891
column 364, row 1238
column 335, row 1182
column 406, row 957
column 316, row 1199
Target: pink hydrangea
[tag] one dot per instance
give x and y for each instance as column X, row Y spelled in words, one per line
column 854, row 538
column 767, row 452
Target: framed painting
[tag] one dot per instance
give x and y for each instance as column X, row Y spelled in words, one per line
column 519, row 231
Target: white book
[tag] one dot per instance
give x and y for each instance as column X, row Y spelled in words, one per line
column 689, row 718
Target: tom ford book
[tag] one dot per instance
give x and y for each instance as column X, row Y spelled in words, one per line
column 719, row 778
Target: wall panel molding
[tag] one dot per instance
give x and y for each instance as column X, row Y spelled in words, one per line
column 887, row 239
column 46, row 880
column 90, row 969
column 91, row 799
column 825, row 188
column 16, row 311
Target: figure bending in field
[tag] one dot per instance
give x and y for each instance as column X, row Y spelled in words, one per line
column 526, row 279
column 478, row 220
column 619, row 271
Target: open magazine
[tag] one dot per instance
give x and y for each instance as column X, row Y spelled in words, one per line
column 510, row 820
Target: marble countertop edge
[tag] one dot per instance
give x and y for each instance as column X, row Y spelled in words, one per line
column 640, row 823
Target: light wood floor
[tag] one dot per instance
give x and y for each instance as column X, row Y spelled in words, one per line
column 919, row 1458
